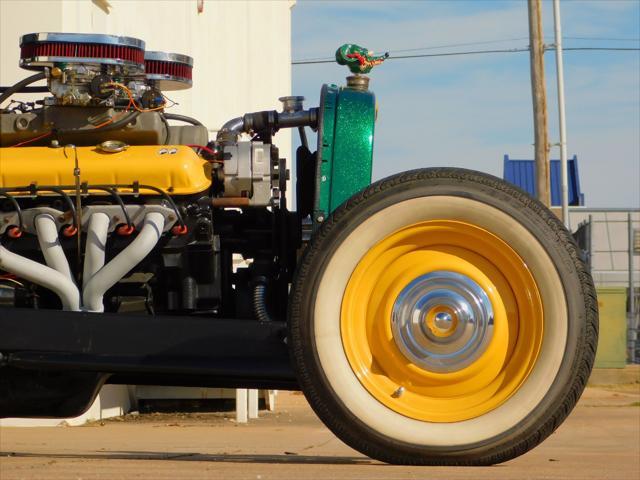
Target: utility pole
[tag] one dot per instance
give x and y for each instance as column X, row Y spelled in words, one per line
column 561, row 115
column 539, row 96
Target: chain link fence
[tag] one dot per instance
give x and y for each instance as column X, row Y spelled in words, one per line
column 610, row 243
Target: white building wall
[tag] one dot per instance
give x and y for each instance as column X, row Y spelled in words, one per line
column 242, row 63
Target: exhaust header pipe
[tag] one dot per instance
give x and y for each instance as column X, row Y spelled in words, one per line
column 98, row 277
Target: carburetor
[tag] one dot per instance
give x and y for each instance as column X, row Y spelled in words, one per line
column 78, row 66
column 100, row 87
column 103, row 70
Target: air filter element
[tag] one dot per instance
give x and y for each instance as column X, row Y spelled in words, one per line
column 169, row 71
column 39, row 50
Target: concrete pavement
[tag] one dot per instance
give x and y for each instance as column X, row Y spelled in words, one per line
column 600, row 440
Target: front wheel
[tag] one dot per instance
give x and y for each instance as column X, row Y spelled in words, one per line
column 442, row 317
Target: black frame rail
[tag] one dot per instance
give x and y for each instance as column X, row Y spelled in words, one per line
column 143, row 349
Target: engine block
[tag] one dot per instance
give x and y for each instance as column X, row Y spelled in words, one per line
column 94, row 178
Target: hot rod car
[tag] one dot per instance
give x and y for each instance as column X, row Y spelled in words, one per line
column 438, row 316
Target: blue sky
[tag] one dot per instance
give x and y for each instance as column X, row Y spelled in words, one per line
column 469, row 111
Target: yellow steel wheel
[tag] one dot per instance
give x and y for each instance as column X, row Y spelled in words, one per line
column 488, row 306
column 442, row 317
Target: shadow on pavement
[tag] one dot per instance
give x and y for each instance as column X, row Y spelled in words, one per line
column 287, row 457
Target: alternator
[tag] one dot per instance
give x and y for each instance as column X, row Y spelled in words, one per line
column 249, row 174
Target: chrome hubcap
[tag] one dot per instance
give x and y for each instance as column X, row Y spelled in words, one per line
column 442, row 321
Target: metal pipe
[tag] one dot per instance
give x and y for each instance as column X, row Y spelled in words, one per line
column 268, row 119
column 49, row 241
column 561, row 115
column 302, row 118
column 117, row 268
column 605, row 210
column 303, row 137
column 230, row 130
column 94, row 253
column 632, row 301
column 42, row 275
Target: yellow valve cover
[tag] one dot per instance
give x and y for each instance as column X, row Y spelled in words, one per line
column 176, row 169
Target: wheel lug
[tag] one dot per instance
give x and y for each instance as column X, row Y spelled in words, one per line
column 398, row 393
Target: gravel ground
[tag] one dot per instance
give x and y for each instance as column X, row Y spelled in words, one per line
column 600, row 440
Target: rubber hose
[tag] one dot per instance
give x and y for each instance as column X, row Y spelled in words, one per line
column 259, row 302
column 43, row 89
column 22, row 83
column 166, row 126
column 182, row 118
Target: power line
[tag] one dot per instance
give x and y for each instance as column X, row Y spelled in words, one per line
column 604, row 39
column 421, row 55
column 473, row 52
column 435, row 47
column 488, row 42
column 467, row 44
column 452, row 54
column 604, row 49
